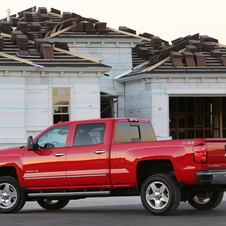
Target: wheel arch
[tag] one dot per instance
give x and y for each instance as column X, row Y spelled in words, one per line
column 147, row 168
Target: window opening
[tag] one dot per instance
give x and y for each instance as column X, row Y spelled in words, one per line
column 61, row 105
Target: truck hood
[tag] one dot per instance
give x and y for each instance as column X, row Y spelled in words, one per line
column 11, row 150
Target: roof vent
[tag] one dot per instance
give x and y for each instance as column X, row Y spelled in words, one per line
column 189, row 59
column 200, row 59
column 8, row 15
column 176, row 58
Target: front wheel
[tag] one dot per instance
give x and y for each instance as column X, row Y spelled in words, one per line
column 160, row 194
column 50, row 204
column 206, row 200
column 12, row 197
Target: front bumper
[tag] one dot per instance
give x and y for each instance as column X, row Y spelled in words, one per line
column 216, row 177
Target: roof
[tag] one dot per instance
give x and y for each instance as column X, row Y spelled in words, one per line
column 22, row 44
column 43, row 23
column 186, row 55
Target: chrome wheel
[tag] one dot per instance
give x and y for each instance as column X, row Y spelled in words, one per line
column 160, row 194
column 8, row 195
column 157, row 195
column 206, row 200
column 12, row 197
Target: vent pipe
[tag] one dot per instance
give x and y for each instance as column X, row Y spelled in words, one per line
column 8, row 15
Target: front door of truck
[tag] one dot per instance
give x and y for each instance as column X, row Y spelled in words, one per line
column 88, row 159
column 45, row 166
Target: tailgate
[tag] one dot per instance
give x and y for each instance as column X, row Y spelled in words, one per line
column 216, row 150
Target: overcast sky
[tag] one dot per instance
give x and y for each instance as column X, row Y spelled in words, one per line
column 168, row 19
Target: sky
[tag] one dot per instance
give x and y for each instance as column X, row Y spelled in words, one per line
column 168, row 19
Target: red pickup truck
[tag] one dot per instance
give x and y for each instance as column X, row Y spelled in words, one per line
column 112, row 157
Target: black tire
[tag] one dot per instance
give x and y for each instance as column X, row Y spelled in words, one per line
column 50, row 204
column 160, row 194
column 12, row 197
column 204, row 200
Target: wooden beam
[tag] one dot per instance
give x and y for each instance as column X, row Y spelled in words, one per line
column 218, row 44
column 162, row 62
column 76, row 55
column 59, row 32
column 129, row 34
column 16, row 58
column 55, row 14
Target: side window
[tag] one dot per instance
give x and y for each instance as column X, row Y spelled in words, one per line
column 134, row 132
column 89, row 134
column 53, row 138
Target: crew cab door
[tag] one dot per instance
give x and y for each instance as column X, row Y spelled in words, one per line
column 88, row 159
column 45, row 166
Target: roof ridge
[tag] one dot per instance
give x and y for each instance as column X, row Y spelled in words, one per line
column 130, row 34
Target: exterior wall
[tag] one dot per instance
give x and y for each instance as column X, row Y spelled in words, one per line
column 149, row 98
column 115, row 54
column 26, row 103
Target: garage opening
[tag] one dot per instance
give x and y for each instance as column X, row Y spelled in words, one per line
column 197, row 117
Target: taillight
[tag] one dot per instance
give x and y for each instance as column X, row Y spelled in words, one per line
column 200, row 153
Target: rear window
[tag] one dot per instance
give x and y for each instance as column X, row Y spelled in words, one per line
column 133, row 132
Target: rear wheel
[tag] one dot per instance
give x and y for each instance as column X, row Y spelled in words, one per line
column 12, row 197
column 52, row 204
column 160, row 194
column 206, row 200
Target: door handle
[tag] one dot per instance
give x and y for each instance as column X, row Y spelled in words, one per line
column 99, row 152
column 59, row 154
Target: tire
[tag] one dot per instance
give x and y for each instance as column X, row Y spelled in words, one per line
column 204, row 200
column 160, row 194
column 50, row 204
column 12, row 197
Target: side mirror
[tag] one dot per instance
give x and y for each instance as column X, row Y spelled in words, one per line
column 30, row 143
